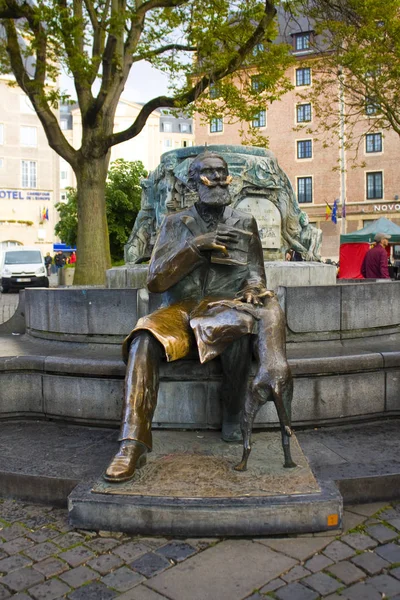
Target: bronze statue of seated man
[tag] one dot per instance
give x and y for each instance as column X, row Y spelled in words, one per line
column 208, row 264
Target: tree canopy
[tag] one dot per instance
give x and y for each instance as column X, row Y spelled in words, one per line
column 97, row 42
column 123, row 193
column 357, row 51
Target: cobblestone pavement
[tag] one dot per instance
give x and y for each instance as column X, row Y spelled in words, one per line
column 42, row 558
column 8, row 305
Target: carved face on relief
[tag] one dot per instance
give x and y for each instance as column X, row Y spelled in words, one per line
column 304, row 220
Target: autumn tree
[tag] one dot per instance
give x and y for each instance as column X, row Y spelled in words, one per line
column 356, row 65
column 99, row 41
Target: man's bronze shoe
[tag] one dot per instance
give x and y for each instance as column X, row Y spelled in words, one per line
column 130, row 456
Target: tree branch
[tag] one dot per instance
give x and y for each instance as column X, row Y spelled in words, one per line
column 192, row 94
column 167, row 48
column 36, row 94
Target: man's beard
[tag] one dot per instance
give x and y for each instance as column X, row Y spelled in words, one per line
column 214, row 196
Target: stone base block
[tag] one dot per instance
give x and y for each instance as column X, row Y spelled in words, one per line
column 298, row 274
column 189, row 488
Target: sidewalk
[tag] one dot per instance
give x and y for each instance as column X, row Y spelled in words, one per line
column 42, row 558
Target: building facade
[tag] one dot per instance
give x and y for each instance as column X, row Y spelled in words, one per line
column 322, row 172
column 29, row 174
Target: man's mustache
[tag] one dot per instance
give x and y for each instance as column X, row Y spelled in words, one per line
column 209, row 183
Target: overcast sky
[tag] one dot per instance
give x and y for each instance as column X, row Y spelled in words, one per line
column 144, row 83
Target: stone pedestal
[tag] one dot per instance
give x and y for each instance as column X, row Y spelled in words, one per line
column 298, row 274
column 189, row 487
column 279, row 273
column 128, row 276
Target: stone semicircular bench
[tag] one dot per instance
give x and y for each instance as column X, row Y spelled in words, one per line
column 343, row 344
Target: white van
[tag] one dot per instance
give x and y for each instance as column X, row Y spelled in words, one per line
column 22, row 267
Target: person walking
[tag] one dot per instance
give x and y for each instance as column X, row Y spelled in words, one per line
column 48, row 262
column 375, row 263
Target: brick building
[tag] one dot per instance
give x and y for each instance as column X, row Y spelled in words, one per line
column 370, row 191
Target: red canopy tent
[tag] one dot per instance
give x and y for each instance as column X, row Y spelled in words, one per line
column 350, row 260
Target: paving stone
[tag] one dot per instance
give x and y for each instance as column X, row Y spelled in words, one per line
column 351, row 520
column 296, row 591
column 42, row 551
column 367, row 510
column 333, row 597
column 93, row 591
column 68, row 540
column 385, row 584
column 215, row 573
column 79, row 576
column 105, row 563
column 102, row 544
column 338, row 551
column 361, row 591
column 370, row 562
column 141, row 593
column 150, row 564
column 395, row 523
column 323, row 584
column 12, row 532
column 200, row 543
column 22, row 579
column 13, row 563
column 17, row 545
column 49, row 590
column 395, row 572
column 318, row 563
column 390, row 552
column 21, row 596
column 382, row 533
column 77, row 556
column 273, row 585
column 122, row 579
column 131, row 550
column 300, row 548
column 42, row 535
column 176, row 551
column 347, row 572
column 153, row 542
column 359, row 541
column 51, row 567
column 296, row 573
column 4, row 593
column 3, row 554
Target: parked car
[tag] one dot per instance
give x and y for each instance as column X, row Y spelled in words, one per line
column 22, row 267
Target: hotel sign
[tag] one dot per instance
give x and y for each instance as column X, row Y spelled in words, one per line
column 25, row 195
column 386, row 207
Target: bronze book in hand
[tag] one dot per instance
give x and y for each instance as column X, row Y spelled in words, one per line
column 237, row 250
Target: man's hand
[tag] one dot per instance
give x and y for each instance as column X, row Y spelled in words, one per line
column 255, row 295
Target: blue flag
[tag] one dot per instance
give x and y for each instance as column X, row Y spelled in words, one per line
column 334, row 212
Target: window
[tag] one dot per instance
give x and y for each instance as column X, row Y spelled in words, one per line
column 167, row 127
column 375, row 186
column 302, row 41
column 371, row 107
column 257, row 49
column 304, row 149
column 28, row 136
column 259, row 119
column 1, row 163
column 303, row 113
column 303, row 76
column 214, row 91
column 168, row 143
column 216, row 125
column 373, row 142
column 256, row 84
column 184, row 128
column 28, row 173
column 304, row 189
column 64, row 124
column 1, row 134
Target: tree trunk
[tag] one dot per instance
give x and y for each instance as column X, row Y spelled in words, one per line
column 93, row 245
